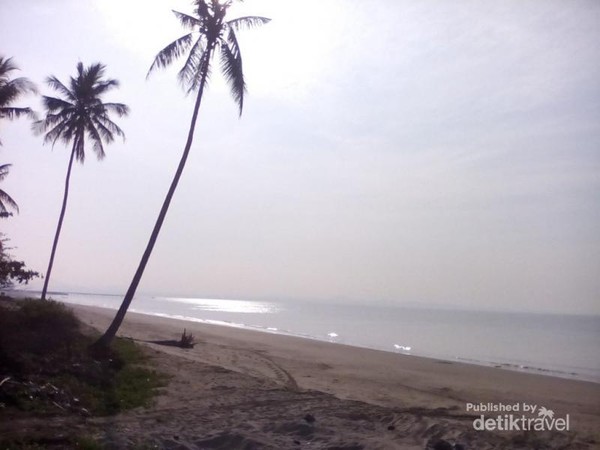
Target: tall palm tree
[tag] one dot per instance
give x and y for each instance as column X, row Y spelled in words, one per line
column 77, row 115
column 11, row 90
column 6, row 201
column 208, row 33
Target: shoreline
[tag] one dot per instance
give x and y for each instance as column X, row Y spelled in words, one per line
column 376, row 377
column 511, row 366
column 515, row 366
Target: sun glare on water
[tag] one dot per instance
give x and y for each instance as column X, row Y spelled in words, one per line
column 230, row 306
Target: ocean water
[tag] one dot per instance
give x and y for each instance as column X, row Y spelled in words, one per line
column 558, row 345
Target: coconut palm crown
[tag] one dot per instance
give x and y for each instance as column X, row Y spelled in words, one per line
column 209, row 32
column 11, row 90
column 79, row 114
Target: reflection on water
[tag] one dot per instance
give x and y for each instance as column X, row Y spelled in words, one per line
column 230, row 306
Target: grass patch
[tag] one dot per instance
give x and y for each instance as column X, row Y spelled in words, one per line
column 45, row 360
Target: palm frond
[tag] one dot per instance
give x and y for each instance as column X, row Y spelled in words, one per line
column 4, row 170
column 94, row 135
column 39, row 126
column 66, row 131
column 108, row 127
column 94, row 73
column 7, row 202
column 171, row 52
column 23, row 85
column 50, row 121
column 79, row 145
column 13, row 89
column 100, row 88
column 55, row 84
column 62, row 126
column 6, row 66
column 102, row 131
column 188, row 21
column 5, row 199
column 80, row 70
column 190, row 68
column 231, row 65
column 118, row 108
column 247, row 22
column 57, row 132
column 53, row 104
column 14, row 113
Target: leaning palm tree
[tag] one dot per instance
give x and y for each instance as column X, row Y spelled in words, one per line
column 6, row 202
column 209, row 33
column 77, row 115
column 11, row 90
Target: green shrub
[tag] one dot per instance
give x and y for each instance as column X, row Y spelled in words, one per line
column 44, row 350
column 38, row 331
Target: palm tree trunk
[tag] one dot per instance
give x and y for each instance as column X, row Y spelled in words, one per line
column 59, row 226
column 110, row 333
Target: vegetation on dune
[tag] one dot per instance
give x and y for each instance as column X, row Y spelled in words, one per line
column 208, row 33
column 79, row 114
column 46, row 368
column 43, row 342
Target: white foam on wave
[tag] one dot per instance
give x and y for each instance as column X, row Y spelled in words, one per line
column 404, row 348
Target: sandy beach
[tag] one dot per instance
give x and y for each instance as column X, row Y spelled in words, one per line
column 243, row 389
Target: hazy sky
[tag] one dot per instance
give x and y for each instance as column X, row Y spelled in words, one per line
column 396, row 151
